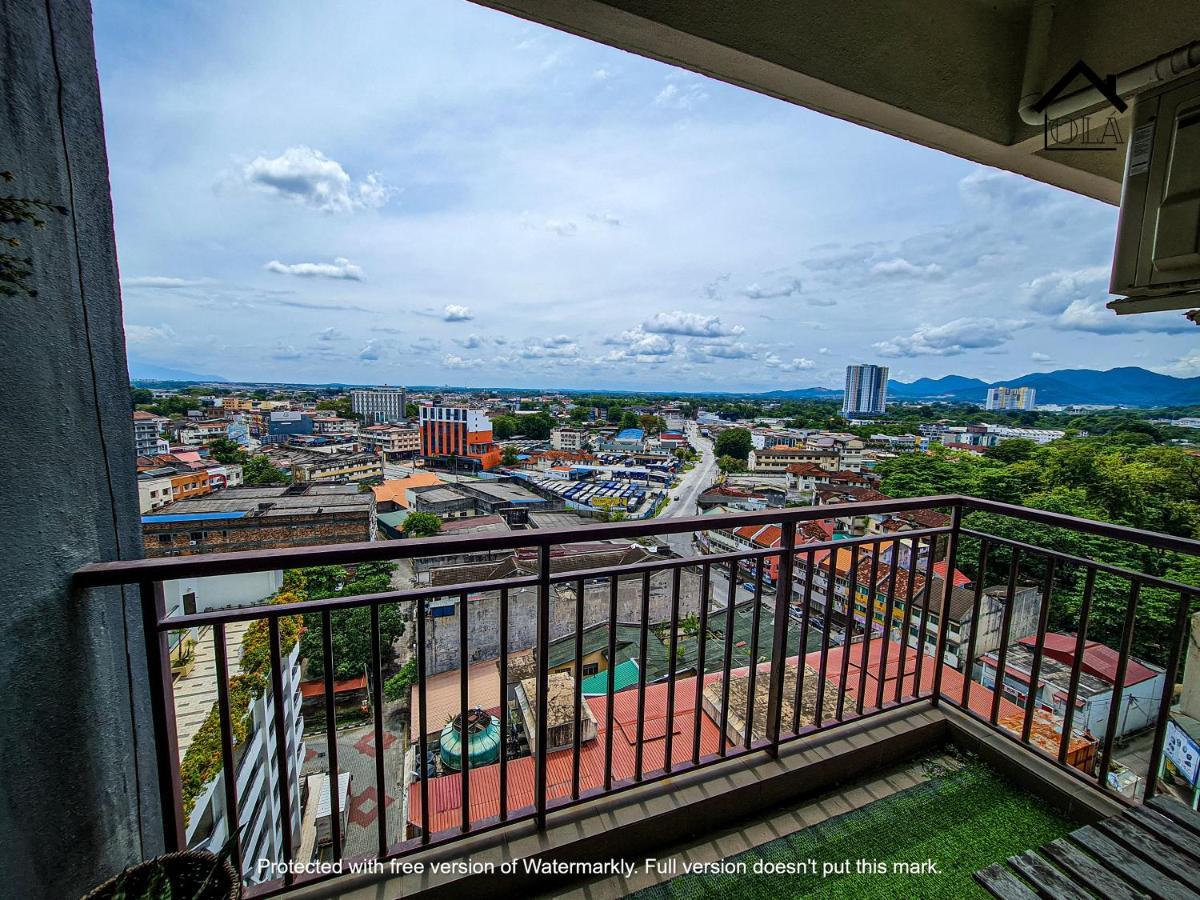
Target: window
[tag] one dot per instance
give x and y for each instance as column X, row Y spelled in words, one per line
column 590, row 669
column 196, row 536
column 164, row 538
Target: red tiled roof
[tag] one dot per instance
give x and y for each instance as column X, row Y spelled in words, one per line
column 1098, row 659
column 805, row 469
column 815, row 531
column 952, row 679
column 316, row 687
column 763, row 535
column 445, row 793
column 960, row 580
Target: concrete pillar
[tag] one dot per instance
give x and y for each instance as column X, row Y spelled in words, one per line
column 78, row 796
column 1189, row 700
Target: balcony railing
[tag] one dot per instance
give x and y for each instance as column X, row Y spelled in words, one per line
column 896, row 656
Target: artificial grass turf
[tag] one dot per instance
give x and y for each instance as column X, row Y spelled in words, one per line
column 963, row 820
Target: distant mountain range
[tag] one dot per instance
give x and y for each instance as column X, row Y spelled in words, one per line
column 141, row 370
column 1126, row 386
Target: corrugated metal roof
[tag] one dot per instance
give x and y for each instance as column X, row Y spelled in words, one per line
column 625, row 675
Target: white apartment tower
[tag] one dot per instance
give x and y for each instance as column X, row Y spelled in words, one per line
column 1010, row 398
column 379, row 406
column 866, row 390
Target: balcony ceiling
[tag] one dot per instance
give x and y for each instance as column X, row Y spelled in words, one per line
column 943, row 73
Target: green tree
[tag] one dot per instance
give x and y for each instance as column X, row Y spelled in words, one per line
column 628, row 420
column 422, row 524
column 731, row 465
column 339, row 406
column 508, row 456
column 226, row 450
column 735, row 442
column 411, row 410
column 258, row 470
column 504, row 427
column 1012, row 450
column 396, row 687
column 141, row 397
column 350, row 628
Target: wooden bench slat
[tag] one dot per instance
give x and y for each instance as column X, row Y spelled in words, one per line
column 1173, row 809
column 1086, row 869
column 1168, row 829
column 1138, row 871
column 1048, row 881
column 1147, row 846
column 999, row 881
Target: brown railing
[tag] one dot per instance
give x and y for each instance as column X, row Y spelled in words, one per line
column 842, row 693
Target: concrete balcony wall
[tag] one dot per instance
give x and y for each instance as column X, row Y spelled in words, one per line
column 79, row 795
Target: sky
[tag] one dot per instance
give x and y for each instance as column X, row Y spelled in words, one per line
column 437, row 193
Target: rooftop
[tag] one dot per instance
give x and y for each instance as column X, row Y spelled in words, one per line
column 265, row 502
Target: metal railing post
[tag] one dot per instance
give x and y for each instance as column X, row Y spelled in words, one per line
column 783, row 598
column 542, row 673
column 943, row 617
column 162, row 711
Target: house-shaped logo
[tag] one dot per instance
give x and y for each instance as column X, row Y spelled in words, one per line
column 1079, row 132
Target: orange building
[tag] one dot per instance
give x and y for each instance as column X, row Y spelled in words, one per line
column 456, row 431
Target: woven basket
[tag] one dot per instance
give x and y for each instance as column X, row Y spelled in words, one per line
column 187, row 872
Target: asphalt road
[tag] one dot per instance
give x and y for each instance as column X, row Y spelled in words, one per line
column 683, row 498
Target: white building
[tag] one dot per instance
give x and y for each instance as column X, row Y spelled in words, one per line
column 568, row 439
column 146, row 428
column 1020, row 398
column 1140, row 695
column 259, row 815
column 866, row 390
column 379, row 406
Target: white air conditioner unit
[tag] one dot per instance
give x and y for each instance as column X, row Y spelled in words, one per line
column 1157, row 261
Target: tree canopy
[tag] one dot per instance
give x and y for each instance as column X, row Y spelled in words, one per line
column 1108, row 479
column 422, row 524
column 735, row 442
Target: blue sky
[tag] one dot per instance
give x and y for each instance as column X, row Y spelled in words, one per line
column 437, row 193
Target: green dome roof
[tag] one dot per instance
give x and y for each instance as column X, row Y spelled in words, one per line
column 483, row 742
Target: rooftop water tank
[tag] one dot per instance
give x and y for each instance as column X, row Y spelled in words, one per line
column 483, row 740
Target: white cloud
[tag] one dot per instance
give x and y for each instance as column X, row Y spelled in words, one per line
column 672, row 96
column 605, row 218
column 148, row 334
column 798, row 364
column 789, row 287
column 470, row 342
column 369, row 353
column 340, row 268
column 690, row 325
column 901, row 266
column 162, row 281
column 454, row 313
column 309, row 177
column 707, row 353
column 1040, row 357
column 285, row 352
column 1096, row 318
column 602, row 74
column 636, row 343
column 329, row 335
column 952, row 338
column 1054, row 292
column 450, row 361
